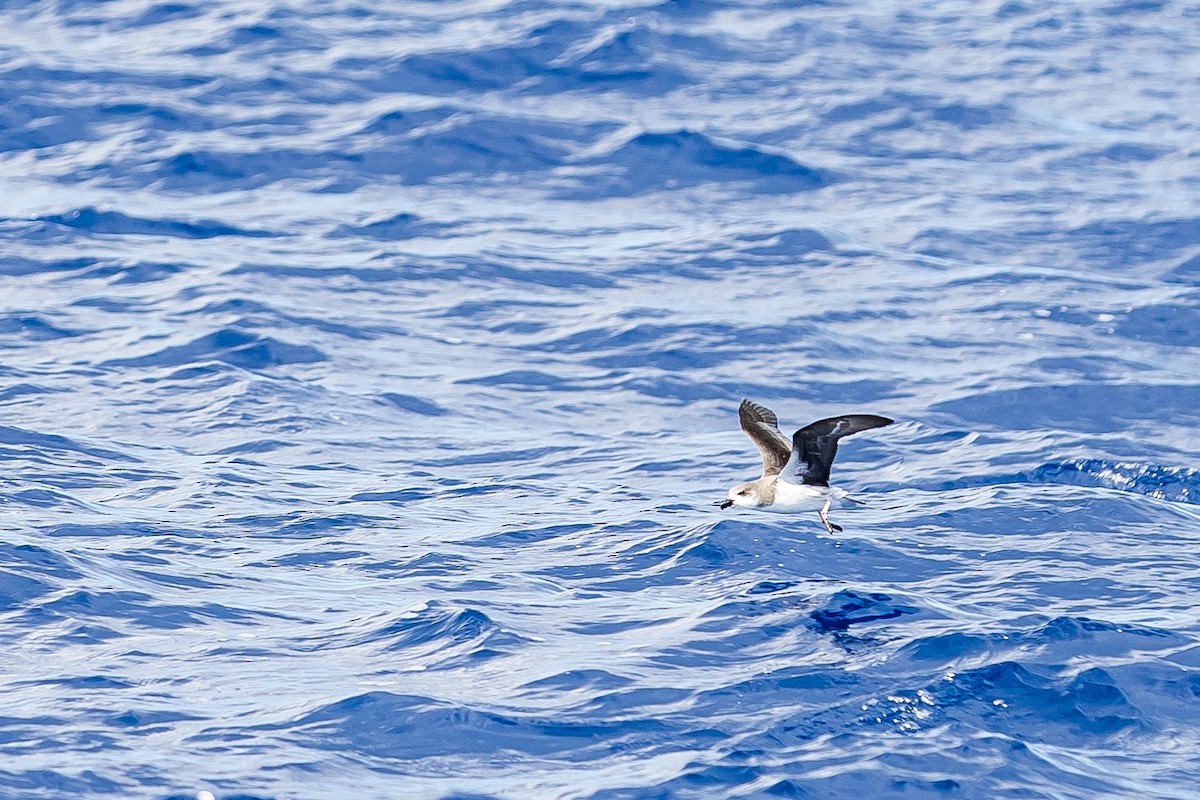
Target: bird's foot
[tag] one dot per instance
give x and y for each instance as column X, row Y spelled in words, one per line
column 824, row 512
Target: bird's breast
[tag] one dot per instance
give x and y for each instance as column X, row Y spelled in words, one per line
column 801, row 496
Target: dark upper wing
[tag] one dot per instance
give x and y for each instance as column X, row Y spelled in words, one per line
column 814, row 446
column 762, row 426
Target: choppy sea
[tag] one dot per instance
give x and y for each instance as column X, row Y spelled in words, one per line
column 370, row 370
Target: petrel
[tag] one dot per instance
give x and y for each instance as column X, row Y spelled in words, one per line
column 795, row 476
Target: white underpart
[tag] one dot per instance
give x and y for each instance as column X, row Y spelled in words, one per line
column 794, row 497
column 789, row 498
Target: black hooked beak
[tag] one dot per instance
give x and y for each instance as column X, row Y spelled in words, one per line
column 724, row 504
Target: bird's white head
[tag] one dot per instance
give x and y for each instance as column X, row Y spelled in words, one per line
column 744, row 494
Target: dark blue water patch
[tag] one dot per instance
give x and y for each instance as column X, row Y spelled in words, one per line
column 530, row 380
column 173, row 580
column 482, row 269
column 655, row 467
column 526, row 274
column 25, row 127
column 310, row 559
column 52, row 783
column 42, row 498
column 145, row 723
column 96, row 221
column 1131, row 7
column 469, row 145
column 1030, row 513
column 900, row 110
column 740, row 612
column 230, row 346
column 34, row 327
column 580, row 681
column 17, row 590
column 161, row 13
column 54, row 443
column 970, row 117
column 400, row 496
column 400, row 124
column 1004, row 698
column 688, row 554
column 1038, row 640
column 208, row 171
column 46, row 108
column 413, row 404
column 1120, row 153
column 1127, row 244
column 673, row 347
column 409, row 728
column 1033, row 703
column 741, row 631
column 22, row 389
column 681, row 348
column 641, row 62
column 685, row 358
column 850, row 607
column 886, row 103
column 457, row 636
column 983, row 766
column 103, row 684
column 280, row 31
column 136, row 608
column 652, row 162
column 764, row 693
column 1065, row 639
column 690, row 10
column 31, row 559
column 14, row 730
column 302, row 525
column 452, row 72
column 255, row 446
column 1172, row 324
column 1178, row 484
column 129, row 273
column 153, row 121
column 826, row 393
column 35, row 76
column 1187, row 271
column 254, row 315
column 787, row 244
column 17, row 265
column 1080, row 407
column 399, row 227
column 496, row 314
column 527, row 535
column 646, row 702
column 608, row 627
column 548, row 60
column 771, row 587
column 1086, row 369
column 112, row 529
column 425, row 565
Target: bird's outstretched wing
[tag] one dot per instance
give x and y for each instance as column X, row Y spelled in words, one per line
column 762, row 426
column 815, row 446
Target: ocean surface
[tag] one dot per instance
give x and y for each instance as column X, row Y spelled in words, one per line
column 371, row 369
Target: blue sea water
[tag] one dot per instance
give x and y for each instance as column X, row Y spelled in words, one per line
column 370, row 371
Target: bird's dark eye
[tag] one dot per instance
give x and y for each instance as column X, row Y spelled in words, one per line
column 742, row 493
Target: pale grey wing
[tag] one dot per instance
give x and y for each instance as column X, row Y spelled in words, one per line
column 815, row 446
column 762, row 426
